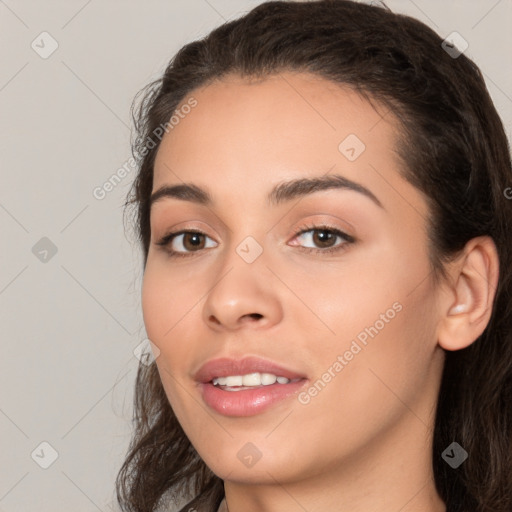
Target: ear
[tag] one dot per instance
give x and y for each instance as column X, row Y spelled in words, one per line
column 466, row 303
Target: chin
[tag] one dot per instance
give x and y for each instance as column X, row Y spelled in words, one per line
column 250, row 465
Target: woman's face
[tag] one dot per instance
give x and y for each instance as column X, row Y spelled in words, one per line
column 348, row 307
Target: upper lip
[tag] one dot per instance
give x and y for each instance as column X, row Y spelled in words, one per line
column 224, row 367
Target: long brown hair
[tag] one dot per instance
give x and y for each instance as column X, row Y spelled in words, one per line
column 454, row 149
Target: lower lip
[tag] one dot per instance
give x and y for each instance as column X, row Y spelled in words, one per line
column 247, row 402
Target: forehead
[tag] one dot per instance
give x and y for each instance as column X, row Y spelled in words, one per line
column 259, row 131
column 287, row 104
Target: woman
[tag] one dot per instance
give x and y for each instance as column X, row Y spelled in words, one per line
column 321, row 202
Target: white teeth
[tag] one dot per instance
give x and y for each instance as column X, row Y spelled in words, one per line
column 250, row 379
column 268, row 378
column 234, row 380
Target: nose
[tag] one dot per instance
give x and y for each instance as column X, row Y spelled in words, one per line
column 242, row 297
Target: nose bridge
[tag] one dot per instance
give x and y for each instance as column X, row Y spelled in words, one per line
column 247, row 236
column 242, row 290
column 243, row 266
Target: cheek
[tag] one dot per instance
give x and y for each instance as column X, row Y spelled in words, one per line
column 166, row 305
column 154, row 301
column 343, row 298
column 379, row 315
column 380, row 356
column 170, row 306
column 167, row 299
column 361, row 388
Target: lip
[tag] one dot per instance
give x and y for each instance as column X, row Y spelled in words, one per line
column 246, row 402
column 223, row 367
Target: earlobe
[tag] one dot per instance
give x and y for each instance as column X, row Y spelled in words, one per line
column 466, row 306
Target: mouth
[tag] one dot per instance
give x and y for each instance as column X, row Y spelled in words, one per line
column 246, row 387
column 250, row 381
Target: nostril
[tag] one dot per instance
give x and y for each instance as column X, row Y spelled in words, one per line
column 256, row 316
column 213, row 319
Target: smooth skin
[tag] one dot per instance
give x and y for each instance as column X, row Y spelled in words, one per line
column 364, row 442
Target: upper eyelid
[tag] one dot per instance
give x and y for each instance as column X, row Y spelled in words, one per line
column 339, row 232
column 299, row 230
column 171, row 236
column 315, row 224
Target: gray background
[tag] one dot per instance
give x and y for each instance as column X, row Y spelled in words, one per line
column 71, row 320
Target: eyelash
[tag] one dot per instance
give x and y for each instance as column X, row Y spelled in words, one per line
column 167, row 239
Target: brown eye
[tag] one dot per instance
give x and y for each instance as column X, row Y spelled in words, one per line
column 184, row 243
column 323, row 238
column 193, row 241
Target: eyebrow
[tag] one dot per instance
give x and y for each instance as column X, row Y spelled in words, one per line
column 282, row 192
